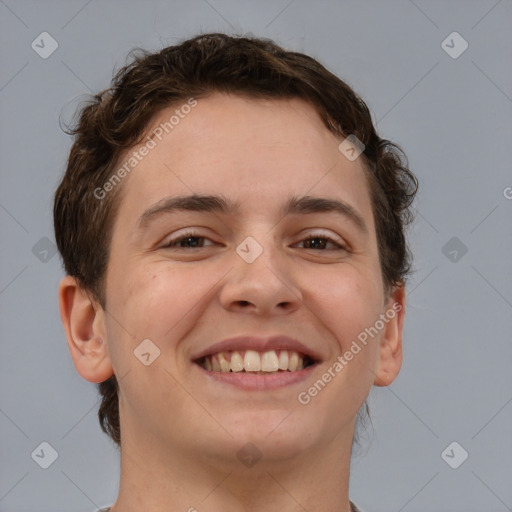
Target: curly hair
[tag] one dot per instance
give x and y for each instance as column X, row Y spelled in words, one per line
column 116, row 118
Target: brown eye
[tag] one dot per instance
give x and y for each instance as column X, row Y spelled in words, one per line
column 320, row 242
column 189, row 240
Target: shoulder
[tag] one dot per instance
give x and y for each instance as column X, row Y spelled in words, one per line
column 354, row 507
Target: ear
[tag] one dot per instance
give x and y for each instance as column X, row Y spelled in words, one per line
column 390, row 349
column 84, row 323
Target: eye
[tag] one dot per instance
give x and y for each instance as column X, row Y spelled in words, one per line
column 188, row 240
column 320, row 242
column 194, row 240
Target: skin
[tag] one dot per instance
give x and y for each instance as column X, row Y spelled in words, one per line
column 180, row 433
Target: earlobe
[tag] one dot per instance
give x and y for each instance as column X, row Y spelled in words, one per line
column 84, row 323
column 390, row 350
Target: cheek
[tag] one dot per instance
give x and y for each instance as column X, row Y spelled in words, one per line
column 347, row 301
column 158, row 298
column 350, row 305
column 158, row 303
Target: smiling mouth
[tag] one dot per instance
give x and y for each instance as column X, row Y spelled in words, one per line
column 259, row 363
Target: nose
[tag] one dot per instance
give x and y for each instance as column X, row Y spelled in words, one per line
column 264, row 286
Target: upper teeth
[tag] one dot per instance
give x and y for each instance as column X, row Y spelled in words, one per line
column 252, row 361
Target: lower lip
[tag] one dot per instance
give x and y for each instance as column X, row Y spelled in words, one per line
column 251, row 382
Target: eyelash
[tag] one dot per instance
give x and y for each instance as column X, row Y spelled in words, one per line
column 193, row 234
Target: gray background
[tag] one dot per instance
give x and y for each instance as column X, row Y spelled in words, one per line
column 451, row 115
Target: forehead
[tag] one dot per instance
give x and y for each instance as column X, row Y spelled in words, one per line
column 254, row 151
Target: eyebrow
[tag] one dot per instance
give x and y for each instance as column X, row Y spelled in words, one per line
column 219, row 204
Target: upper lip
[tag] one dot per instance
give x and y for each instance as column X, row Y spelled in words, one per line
column 259, row 345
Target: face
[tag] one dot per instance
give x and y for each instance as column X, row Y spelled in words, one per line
column 269, row 264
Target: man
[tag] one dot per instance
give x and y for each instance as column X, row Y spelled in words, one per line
column 232, row 229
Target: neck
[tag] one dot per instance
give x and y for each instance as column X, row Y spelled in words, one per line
column 180, row 479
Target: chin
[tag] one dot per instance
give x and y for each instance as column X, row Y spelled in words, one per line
column 276, row 434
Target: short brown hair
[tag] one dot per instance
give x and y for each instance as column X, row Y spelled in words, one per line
column 116, row 119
